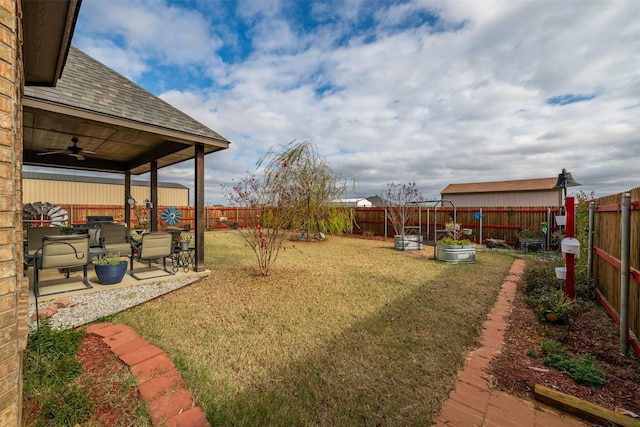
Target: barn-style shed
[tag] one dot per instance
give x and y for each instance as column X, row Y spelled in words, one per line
column 525, row 192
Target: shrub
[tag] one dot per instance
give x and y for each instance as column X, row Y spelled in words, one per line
column 107, row 259
column 582, row 369
column 451, row 241
column 544, row 292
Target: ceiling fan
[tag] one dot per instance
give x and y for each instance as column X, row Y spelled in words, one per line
column 72, row 150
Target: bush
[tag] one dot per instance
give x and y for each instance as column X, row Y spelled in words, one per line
column 544, row 292
column 582, row 369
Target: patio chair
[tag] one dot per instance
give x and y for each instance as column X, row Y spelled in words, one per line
column 62, row 252
column 114, row 239
column 34, row 241
column 153, row 246
column 176, row 233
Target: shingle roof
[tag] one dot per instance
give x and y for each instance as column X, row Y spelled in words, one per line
column 90, row 85
column 95, row 179
column 536, row 184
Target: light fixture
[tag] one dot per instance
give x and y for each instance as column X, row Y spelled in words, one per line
column 130, row 200
column 565, row 179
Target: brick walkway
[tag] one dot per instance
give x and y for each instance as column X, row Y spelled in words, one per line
column 473, row 402
column 160, row 384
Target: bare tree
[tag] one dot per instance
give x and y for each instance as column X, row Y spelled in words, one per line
column 295, row 193
column 400, row 206
column 266, row 232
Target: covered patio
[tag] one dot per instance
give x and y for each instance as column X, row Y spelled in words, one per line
column 94, row 119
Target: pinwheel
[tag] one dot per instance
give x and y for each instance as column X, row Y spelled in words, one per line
column 171, row 215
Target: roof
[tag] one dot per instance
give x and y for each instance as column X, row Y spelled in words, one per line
column 92, row 86
column 537, row 184
column 95, row 180
column 378, row 201
column 125, row 126
column 47, row 29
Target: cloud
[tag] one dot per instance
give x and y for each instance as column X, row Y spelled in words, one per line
column 436, row 92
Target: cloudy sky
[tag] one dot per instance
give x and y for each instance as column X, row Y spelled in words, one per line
column 435, row 92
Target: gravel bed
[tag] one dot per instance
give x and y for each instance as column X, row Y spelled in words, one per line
column 91, row 306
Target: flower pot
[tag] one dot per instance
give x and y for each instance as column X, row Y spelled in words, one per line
column 407, row 243
column 456, row 253
column 561, row 220
column 553, row 317
column 570, row 245
column 111, row 274
column 184, row 245
column 561, row 273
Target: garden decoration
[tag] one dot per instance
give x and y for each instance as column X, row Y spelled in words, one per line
column 171, row 215
column 46, row 213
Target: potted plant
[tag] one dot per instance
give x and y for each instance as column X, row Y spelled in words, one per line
column 185, row 239
column 530, row 239
column 454, row 249
column 556, row 307
column 110, row 268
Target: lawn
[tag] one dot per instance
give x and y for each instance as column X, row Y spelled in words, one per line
column 342, row 332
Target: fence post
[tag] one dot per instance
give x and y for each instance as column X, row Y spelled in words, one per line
column 570, row 261
column 592, row 211
column 625, row 237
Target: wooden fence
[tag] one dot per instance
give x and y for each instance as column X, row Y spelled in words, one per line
column 499, row 223
column 494, row 222
column 607, row 250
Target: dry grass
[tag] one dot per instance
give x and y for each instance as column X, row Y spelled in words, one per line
column 343, row 332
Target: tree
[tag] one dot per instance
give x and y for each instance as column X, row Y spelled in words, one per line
column 400, row 206
column 294, row 193
column 312, row 186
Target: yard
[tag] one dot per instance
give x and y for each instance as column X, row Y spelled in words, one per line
column 342, row 332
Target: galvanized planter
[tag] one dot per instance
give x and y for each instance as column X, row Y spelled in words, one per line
column 408, row 243
column 456, row 253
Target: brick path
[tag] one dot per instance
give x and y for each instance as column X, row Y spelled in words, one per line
column 473, row 402
column 160, row 384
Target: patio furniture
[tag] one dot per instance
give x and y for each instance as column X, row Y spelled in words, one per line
column 62, row 252
column 176, row 233
column 35, row 235
column 114, row 239
column 153, row 246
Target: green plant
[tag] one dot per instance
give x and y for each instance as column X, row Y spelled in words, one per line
column 107, row 259
column 543, row 292
column 582, row 369
column 532, row 353
column 530, row 234
column 452, row 241
column 50, row 369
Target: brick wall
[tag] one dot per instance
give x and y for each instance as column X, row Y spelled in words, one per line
column 13, row 286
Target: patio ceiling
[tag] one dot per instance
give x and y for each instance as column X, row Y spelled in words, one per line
column 123, row 126
column 117, row 147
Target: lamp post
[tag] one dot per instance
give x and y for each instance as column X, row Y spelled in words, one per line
column 566, row 180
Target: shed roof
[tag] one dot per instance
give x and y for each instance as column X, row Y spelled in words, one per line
column 536, row 184
column 95, row 180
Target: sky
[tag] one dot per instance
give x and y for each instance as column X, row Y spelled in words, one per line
column 431, row 92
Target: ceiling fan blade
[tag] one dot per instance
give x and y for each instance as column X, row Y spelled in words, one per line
column 52, row 152
column 77, row 156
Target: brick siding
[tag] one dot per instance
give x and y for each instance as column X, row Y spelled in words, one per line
column 13, row 285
